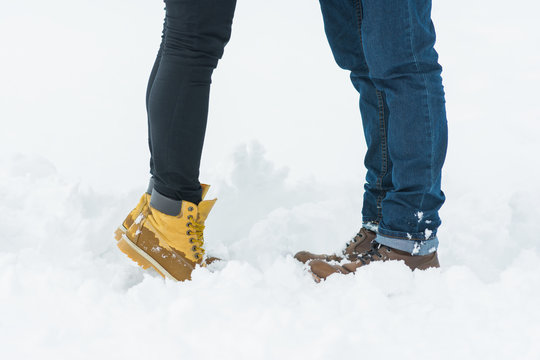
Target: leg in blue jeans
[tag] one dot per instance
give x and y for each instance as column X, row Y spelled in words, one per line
column 346, row 42
column 194, row 37
column 388, row 45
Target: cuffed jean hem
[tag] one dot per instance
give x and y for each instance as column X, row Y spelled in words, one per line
column 150, row 186
column 164, row 204
column 186, row 194
column 414, row 247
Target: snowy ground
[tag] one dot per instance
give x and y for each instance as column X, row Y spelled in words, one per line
column 73, row 160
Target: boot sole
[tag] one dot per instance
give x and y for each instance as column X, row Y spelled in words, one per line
column 144, row 260
column 316, row 278
column 141, row 258
column 119, row 232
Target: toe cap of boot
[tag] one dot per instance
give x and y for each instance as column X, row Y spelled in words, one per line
column 322, row 269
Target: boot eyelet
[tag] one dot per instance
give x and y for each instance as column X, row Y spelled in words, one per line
column 188, row 232
column 191, row 240
column 387, row 249
column 194, row 248
column 190, row 217
column 190, row 208
column 196, row 255
column 189, row 224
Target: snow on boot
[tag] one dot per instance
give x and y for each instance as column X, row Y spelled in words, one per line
column 322, row 269
column 360, row 244
column 132, row 216
column 168, row 236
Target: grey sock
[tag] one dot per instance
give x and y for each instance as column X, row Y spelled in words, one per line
column 164, row 204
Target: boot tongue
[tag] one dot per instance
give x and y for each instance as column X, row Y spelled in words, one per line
column 205, row 189
column 204, row 209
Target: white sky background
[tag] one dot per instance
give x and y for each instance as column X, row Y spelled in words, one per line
column 73, row 80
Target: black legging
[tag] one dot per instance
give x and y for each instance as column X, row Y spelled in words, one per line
column 195, row 33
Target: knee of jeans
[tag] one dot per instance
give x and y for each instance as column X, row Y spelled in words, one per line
column 351, row 61
column 190, row 44
column 386, row 62
column 356, row 66
column 403, row 70
column 194, row 34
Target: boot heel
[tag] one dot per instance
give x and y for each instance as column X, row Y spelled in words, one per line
column 119, row 232
column 128, row 248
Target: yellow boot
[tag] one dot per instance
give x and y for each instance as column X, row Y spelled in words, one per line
column 141, row 206
column 171, row 240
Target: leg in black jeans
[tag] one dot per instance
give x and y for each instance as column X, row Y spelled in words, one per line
column 194, row 36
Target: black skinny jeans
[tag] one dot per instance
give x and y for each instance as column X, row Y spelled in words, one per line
column 195, row 33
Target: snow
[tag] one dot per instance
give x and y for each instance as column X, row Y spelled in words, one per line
column 283, row 155
column 138, row 219
column 416, row 248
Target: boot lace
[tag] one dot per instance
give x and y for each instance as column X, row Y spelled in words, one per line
column 373, row 254
column 198, row 240
column 355, row 239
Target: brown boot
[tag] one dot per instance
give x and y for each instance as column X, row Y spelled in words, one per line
column 321, row 269
column 359, row 245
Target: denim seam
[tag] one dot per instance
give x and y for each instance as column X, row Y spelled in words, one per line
column 359, row 17
column 430, row 132
column 171, row 121
column 384, row 153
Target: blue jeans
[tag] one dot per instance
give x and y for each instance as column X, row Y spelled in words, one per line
column 388, row 46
